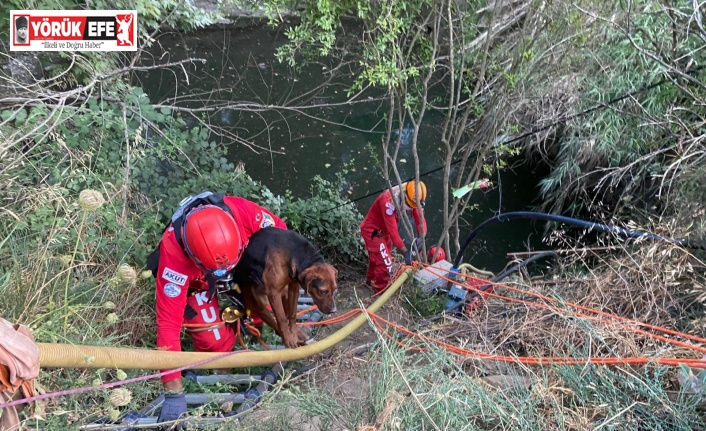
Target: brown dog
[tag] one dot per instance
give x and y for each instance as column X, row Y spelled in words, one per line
column 276, row 262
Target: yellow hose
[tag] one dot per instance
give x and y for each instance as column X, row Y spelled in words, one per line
column 471, row 268
column 78, row 356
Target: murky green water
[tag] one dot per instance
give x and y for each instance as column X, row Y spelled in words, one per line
column 288, row 148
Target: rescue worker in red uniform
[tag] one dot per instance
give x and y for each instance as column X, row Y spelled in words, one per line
column 203, row 243
column 436, row 254
column 380, row 229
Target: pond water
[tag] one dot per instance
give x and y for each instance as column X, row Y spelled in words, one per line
column 286, row 149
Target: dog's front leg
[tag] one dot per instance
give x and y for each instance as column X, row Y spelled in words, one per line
column 255, row 302
column 291, row 310
column 288, row 338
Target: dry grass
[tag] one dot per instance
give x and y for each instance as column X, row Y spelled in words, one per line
column 397, row 388
column 649, row 284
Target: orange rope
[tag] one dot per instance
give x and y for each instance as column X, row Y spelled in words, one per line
column 307, row 310
column 599, row 316
column 238, row 332
column 256, row 333
column 203, row 325
column 625, row 325
column 253, row 331
column 583, row 312
column 530, row 360
column 399, row 272
column 527, row 360
column 351, row 313
column 341, row 318
column 239, row 336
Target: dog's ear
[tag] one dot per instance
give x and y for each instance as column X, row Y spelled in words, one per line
column 332, row 272
column 293, row 270
column 308, row 276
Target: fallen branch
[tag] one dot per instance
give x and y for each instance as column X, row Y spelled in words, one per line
column 526, row 254
column 508, row 22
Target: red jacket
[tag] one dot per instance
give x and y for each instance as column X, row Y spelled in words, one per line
column 182, row 274
column 383, row 217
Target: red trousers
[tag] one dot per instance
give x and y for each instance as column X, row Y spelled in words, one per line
column 214, row 338
column 212, row 334
column 379, row 261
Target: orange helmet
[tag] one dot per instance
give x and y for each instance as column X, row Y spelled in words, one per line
column 411, row 193
column 212, row 239
column 436, row 254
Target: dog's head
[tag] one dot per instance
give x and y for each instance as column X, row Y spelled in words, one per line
column 320, row 283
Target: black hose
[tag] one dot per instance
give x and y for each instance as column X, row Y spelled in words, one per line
column 568, row 220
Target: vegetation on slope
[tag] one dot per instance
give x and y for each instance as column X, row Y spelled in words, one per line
column 72, row 271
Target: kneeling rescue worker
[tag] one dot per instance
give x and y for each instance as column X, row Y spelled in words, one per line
column 202, row 244
column 380, row 229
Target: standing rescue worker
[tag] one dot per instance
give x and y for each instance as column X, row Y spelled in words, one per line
column 202, row 244
column 380, row 229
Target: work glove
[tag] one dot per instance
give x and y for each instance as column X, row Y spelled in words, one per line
column 411, row 254
column 173, row 408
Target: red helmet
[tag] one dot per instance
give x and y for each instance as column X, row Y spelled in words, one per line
column 212, row 239
column 436, row 254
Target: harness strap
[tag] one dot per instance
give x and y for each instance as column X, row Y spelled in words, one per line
column 191, row 202
column 189, row 312
column 207, row 328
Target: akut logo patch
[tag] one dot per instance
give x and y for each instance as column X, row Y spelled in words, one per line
column 174, row 277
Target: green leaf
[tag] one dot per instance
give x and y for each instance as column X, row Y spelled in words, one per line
column 21, row 116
